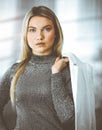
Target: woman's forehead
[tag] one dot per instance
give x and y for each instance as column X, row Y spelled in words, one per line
column 39, row 21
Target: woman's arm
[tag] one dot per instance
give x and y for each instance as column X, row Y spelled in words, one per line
column 5, row 84
column 62, row 93
column 4, row 97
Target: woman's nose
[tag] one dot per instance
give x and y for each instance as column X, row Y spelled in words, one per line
column 40, row 35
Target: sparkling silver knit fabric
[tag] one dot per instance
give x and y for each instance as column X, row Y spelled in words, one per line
column 43, row 100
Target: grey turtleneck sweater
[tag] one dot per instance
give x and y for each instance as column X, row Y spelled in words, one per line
column 43, row 100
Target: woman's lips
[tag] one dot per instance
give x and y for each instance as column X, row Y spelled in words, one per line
column 40, row 44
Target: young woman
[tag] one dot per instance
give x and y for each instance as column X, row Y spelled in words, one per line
column 49, row 91
column 40, row 85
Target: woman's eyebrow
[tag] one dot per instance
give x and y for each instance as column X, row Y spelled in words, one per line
column 49, row 25
column 31, row 27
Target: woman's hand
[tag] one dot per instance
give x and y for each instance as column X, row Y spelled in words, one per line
column 59, row 65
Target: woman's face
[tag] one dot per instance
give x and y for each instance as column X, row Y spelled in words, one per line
column 41, row 35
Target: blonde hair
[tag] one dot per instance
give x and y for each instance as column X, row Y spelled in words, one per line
column 26, row 50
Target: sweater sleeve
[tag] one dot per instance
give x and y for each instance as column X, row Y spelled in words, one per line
column 62, row 96
column 5, row 94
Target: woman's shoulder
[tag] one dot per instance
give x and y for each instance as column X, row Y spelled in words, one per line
column 15, row 65
column 12, row 68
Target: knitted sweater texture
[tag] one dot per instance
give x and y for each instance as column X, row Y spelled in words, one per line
column 43, row 100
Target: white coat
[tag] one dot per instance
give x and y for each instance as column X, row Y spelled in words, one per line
column 83, row 93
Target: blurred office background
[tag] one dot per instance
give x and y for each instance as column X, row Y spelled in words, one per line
column 81, row 21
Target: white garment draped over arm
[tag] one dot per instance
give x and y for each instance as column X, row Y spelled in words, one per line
column 83, row 93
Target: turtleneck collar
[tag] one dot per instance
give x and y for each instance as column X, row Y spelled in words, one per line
column 42, row 59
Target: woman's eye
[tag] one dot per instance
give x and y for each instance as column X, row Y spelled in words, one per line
column 31, row 30
column 47, row 29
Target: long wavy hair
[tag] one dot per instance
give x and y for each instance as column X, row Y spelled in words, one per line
column 26, row 50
